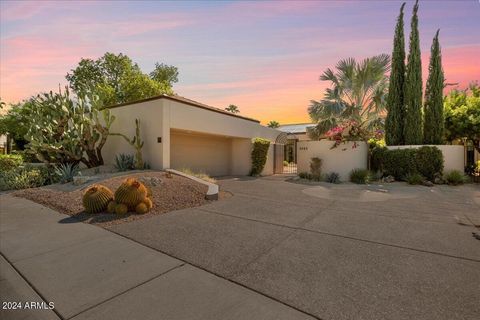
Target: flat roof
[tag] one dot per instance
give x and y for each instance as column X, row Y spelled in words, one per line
column 186, row 101
column 295, row 127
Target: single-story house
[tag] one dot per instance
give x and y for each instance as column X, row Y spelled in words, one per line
column 182, row 133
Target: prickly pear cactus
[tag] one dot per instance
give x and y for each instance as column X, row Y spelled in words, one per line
column 131, row 192
column 96, row 198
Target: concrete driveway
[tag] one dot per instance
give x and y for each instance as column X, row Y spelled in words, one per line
column 334, row 252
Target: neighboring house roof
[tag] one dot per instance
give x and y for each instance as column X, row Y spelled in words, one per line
column 186, row 101
column 296, row 127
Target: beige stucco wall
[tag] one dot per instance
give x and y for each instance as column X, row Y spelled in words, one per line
column 162, row 116
column 453, row 156
column 342, row 159
column 241, row 159
column 150, row 115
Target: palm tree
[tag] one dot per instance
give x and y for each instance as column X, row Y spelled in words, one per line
column 358, row 95
column 273, row 124
column 232, row 108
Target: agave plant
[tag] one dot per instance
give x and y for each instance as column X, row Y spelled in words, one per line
column 357, row 95
column 66, row 171
column 124, row 162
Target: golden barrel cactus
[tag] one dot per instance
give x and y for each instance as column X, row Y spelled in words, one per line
column 96, row 198
column 111, row 206
column 141, row 208
column 149, row 203
column 121, row 208
column 131, row 192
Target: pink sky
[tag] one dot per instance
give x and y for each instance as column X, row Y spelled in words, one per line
column 264, row 57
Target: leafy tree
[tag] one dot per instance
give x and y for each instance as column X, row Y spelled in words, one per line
column 433, row 124
column 116, row 79
column 462, row 115
column 413, row 86
column 273, row 124
column 394, row 122
column 232, row 108
column 16, row 122
column 356, row 98
column 164, row 73
column 66, row 130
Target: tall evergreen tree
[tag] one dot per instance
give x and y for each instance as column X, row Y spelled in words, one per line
column 413, row 86
column 433, row 124
column 394, row 122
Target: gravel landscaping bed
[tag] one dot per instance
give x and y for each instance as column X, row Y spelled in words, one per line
column 169, row 194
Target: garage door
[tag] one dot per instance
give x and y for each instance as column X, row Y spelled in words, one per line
column 200, row 153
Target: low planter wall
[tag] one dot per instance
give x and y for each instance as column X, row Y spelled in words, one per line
column 341, row 159
column 453, row 156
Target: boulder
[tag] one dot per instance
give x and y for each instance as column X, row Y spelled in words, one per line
column 427, row 183
column 388, row 179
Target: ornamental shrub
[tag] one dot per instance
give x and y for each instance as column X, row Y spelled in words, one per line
column 402, row 163
column 454, row 178
column 259, row 155
column 10, row 161
column 399, row 163
column 429, row 161
column 332, row 177
column 22, row 178
column 377, row 155
column 415, row 178
column 360, row 176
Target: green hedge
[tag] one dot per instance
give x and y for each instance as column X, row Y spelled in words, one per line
column 259, row 155
column 10, row 161
column 429, row 162
column 401, row 163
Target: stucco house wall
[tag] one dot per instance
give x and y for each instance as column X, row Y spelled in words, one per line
column 195, row 136
column 342, row 159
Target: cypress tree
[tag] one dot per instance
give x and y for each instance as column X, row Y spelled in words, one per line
column 395, row 102
column 413, row 87
column 433, row 124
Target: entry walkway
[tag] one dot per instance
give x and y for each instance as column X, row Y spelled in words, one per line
column 91, row 273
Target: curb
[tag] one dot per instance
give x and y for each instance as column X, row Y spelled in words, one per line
column 212, row 192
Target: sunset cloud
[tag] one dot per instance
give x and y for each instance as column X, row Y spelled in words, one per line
column 265, row 56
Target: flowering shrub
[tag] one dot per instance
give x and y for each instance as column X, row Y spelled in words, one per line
column 351, row 131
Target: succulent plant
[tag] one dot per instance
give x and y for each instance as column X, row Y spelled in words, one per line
column 131, row 192
column 96, row 198
column 111, row 206
column 121, row 208
column 149, row 203
column 141, row 208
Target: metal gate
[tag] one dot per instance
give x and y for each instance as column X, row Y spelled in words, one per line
column 285, row 154
column 278, row 151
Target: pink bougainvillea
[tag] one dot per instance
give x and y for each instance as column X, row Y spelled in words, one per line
column 350, row 131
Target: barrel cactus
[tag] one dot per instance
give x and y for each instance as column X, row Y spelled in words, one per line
column 111, row 206
column 121, row 208
column 131, row 192
column 141, row 208
column 148, row 202
column 96, row 198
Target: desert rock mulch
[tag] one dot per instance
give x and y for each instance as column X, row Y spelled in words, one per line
column 169, row 194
